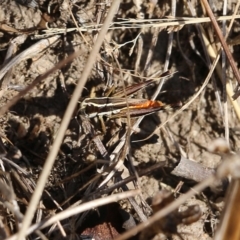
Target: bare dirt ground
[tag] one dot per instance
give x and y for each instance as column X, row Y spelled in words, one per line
column 130, row 54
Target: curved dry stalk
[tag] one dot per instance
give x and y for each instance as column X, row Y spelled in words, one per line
column 79, row 209
column 28, row 53
column 185, row 106
column 37, row 80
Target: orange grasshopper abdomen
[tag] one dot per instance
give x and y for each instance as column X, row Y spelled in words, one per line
column 149, row 104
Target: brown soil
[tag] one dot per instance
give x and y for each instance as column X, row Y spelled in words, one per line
column 30, row 126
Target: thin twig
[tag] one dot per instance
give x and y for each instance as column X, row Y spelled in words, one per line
column 222, row 40
column 224, row 78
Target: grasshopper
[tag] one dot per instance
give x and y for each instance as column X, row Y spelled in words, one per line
column 118, row 106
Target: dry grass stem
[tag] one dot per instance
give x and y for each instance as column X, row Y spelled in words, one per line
column 69, row 111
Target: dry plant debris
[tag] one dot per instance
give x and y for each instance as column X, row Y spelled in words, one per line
column 113, row 115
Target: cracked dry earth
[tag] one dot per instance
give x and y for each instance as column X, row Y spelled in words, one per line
column 29, row 127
